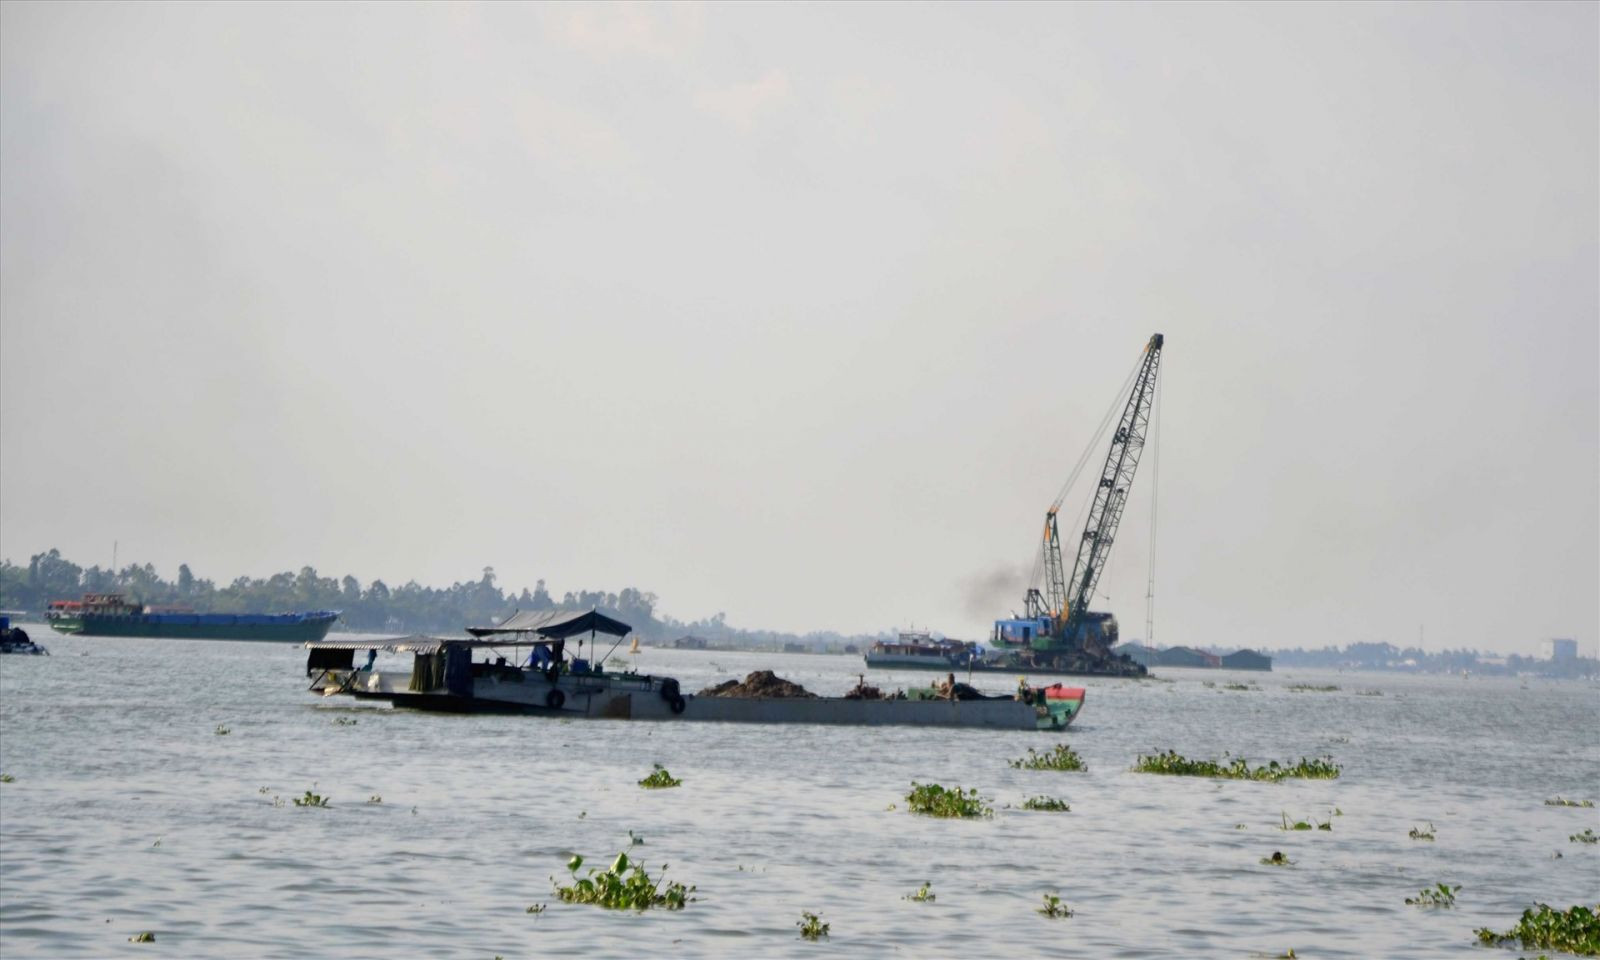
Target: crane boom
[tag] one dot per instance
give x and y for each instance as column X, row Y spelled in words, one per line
column 1111, row 494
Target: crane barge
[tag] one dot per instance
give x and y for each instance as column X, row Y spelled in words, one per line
column 1057, row 631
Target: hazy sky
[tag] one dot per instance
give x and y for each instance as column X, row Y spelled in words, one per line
column 803, row 313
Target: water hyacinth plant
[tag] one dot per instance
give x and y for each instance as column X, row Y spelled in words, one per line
column 811, row 926
column 1438, row 895
column 1046, row 803
column 1587, row 836
column 1305, row 824
column 933, row 800
column 1575, row 931
column 145, row 937
column 223, row 730
column 1560, row 801
column 625, row 885
column 1174, row 765
column 311, row 800
column 1054, row 908
column 1060, row 757
column 1277, row 860
column 659, row 779
column 923, row 894
column 1311, row 688
column 1420, row 834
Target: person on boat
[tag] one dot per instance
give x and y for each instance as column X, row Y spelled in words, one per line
column 947, row 690
column 372, row 657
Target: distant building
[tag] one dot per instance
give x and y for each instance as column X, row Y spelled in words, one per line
column 1246, row 660
column 1559, row 650
column 1187, row 657
column 796, row 648
column 851, row 648
column 690, row 643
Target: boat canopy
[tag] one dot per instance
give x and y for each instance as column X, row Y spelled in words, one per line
column 416, row 643
column 555, row 624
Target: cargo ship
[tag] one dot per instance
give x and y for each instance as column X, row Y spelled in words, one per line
column 113, row 615
column 528, row 667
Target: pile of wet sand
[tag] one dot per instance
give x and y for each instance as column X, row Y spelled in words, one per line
column 763, row 684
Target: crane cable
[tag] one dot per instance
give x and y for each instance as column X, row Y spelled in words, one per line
column 1155, row 487
column 1111, row 411
column 1117, row 402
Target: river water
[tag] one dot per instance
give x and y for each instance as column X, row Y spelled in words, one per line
column 129, row 812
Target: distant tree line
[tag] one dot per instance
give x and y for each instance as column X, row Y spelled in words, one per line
column 376, row 606
column 1387, row 656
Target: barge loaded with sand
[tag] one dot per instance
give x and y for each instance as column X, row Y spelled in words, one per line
column 527, row 666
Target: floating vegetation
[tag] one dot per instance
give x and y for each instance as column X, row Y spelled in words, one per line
column 1171, row 764
column 1418, row 833
column 1560, row 801
column 1046, row 803
column 1054, row 908
column 263, row 790
column 811, row 926
column 346, row 721
column 933, row 800
column 375, row 798
column 1369, row 693
column 145, row 937
column 1239, row 686
column 1587, row 836
column 625, row 885
column 223, row 730
column 923, row 894
column 536, row 908
column 1311, row 688
column 1574, row 931
column 1438, row 895
column 634, row 840
column 1059, row 757
column 309, row 800
column 660, row 779
column 1277, row 860
column 1305, row 824
column 7, row 778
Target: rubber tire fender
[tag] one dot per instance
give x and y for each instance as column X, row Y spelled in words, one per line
column 677, row 703
column 555, row 699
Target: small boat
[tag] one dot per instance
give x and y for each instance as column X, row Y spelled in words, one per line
column 920, row 651
column 16, row 640
column 528, row 667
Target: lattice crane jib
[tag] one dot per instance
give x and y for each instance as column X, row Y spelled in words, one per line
column 1111, row 493
column 1054, row 578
